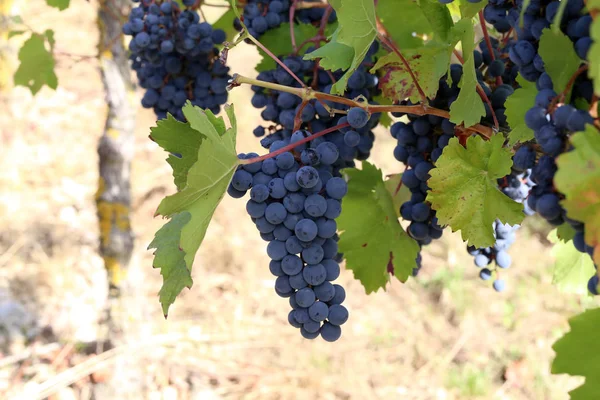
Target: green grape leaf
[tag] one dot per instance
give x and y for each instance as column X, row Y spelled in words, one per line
column 594, row 54
column 581, row 104
column 464, row 191
column 577, row 178
column 334, row 55
column 399, row 196
column 572, row 268
column 183, row 151
column 428, row 63
column 60, row 4
column 560, row 59
column 207, row 178
column 170, row 258
column 438, row 15
column 565, row 232
column 279, row 42
column 372, row 240
column 225, row 23
column 468, row 9
column 468, row 107
column 578, row 354
column 419, row 19
column 516, row 106
column 556, row 23
column 357, row 29
column 37, row 63
column 15, row 33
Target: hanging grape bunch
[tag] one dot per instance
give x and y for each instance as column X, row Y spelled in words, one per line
column 174, row 56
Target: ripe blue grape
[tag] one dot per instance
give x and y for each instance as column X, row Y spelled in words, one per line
column 330, row 332
column 318, row 311
column 357, row 117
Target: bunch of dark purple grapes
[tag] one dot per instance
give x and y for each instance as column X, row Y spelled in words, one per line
column 175, row 58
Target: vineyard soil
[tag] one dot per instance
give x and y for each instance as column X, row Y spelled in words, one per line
column 445, row 335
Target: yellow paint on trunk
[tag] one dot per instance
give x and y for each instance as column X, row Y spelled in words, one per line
column 112, row 216
column 116, row 274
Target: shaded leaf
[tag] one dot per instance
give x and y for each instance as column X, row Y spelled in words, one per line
column 578, row 354
column 517, row 106
column 170, row 258
column 594, row 54
column 356, row 30
column 37, row 64
column 185, row 146
column 577, row 178
column 406, row 35
column 572, row 268
column 468, row 107
column 439, row 18
column 560, row 59
column 60, row 4
column 371, row 236
column 565, row 232
column 470, row 9
column 207, row 178
column 399, row 196
column 15, row 33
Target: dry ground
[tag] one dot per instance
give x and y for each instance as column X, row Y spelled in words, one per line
column 445, row 335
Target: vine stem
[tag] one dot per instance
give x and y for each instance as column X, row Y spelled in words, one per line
column 488, row 42
column 292, row 146
column 481, row 92
column 305, row 4
column 307, row 94
column 570, row 83
column 276, row 59
column 382, row 35
column 400, row 183
column 292, row 33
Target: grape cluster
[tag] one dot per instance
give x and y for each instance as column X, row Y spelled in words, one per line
column 505, row 236
column 506, row 15
column 262, row 15
column 421, row 140
column 294, row 200
column 175, row 58
column 281, row 108
column 419, row 144
column 552, row 121
column 517, row 186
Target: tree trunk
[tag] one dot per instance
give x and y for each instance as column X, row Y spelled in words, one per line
column 116, row 146
column 113, row 198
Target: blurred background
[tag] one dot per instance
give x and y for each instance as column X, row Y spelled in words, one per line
column 444, row 335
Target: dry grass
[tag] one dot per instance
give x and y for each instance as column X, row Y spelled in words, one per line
column 445, row 335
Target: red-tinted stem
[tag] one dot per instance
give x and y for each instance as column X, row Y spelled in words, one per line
column 298, row 116
column 458, row 56
column 561, row 95
column 292, row 33
column 400, row 183
column 488, row 43
column 276, row 59
column 292, row 146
